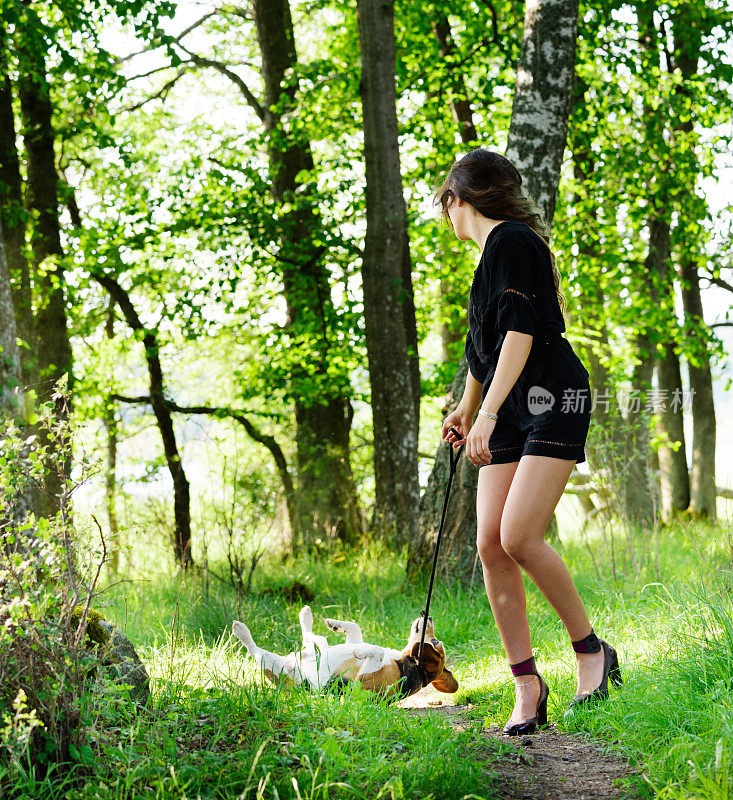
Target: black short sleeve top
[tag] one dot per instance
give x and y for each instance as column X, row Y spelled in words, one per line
column 513, row 289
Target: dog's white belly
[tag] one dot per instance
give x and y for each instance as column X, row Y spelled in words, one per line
column 318, row 667
column 363, row 658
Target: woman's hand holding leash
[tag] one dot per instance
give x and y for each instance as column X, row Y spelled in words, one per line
column 461, row 421
column 474, row 435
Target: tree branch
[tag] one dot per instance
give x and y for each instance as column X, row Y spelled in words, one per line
column 720, row 282
column 177, row 39
column 230, row 413
column 200, row 61
column 160, row 94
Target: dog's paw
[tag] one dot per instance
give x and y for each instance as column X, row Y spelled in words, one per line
column 306, row 617
column 334, row 625
column 241, row 631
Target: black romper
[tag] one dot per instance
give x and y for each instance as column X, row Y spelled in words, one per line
column 547, row 411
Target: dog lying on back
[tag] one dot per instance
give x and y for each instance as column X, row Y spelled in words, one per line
column 394, row 673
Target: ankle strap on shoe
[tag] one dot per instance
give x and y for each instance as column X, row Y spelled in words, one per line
column 590, row 644
column 527, row 667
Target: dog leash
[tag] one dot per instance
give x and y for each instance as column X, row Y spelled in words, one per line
column 454, row 457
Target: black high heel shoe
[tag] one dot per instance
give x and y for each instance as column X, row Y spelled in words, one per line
column 611, row 669
column 529, row 726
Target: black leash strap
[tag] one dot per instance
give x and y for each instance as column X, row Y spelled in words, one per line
column 454, row 457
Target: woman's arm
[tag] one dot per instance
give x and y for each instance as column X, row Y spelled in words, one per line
column 513, row 356
column 471, row 395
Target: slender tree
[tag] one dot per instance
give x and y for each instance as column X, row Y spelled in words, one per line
column 389, row 312
column 161, row 409
column 16, row 502
column 656, row 281
column 54, row 349
column 13, row 217
column 326, row 495
column 688, row 30
column 10, row 377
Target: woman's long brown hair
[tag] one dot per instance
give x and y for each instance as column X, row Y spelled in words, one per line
column 493, row 186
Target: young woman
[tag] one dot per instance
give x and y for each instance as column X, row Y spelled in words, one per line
column 533, row 400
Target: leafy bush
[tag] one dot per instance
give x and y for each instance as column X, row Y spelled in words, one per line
column 45, row 664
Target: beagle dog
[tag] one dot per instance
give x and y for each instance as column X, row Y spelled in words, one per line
column 318, row 665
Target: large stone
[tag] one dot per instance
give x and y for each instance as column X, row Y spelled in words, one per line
column 118, row 656
column 125, row 664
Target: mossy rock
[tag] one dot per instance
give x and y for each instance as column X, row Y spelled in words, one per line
column 117, row 654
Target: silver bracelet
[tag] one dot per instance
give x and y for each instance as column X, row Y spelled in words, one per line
column 489, row 414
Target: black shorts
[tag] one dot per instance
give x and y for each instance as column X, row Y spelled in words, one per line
column 547, row 412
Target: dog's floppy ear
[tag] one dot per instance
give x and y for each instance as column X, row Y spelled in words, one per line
column 432, row 660
column 446, row 682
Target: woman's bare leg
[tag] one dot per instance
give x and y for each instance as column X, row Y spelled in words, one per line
column 503, row 581
column 535, row 491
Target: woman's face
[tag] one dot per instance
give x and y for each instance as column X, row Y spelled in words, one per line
column 460, row 216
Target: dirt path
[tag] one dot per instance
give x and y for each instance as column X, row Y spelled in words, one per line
column 545, row 766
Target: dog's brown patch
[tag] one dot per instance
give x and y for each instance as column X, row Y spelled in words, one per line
column 383, row 678
column 282, row 678
column 348, row 670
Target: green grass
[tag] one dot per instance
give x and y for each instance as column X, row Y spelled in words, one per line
column 213, row 729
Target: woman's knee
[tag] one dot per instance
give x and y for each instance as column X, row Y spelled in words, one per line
column 519, row 546
column 488, row 544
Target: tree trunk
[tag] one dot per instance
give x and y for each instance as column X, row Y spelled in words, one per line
column 389, row 313
column 458, row 547
column 542, row 98
column 181, row 492
column 13, row 219
column 608, row 425
column 687, row 43
column 460, row 105
column 453, row 331
column 109, row 419
column 326, row 494
column 640, row 482
column 10, row 376
column 536, row 142
column 54, row 349
column 703, row 492
column 674, row 477
column 19, row 505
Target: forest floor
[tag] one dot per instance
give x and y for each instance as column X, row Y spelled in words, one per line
column 548, row 765
column 214, row 729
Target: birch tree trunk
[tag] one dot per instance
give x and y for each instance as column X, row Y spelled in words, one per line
column 537, row 137
column 389, row 313
column 543, row 96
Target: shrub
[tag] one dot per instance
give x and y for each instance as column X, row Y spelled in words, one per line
column 45, row 664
